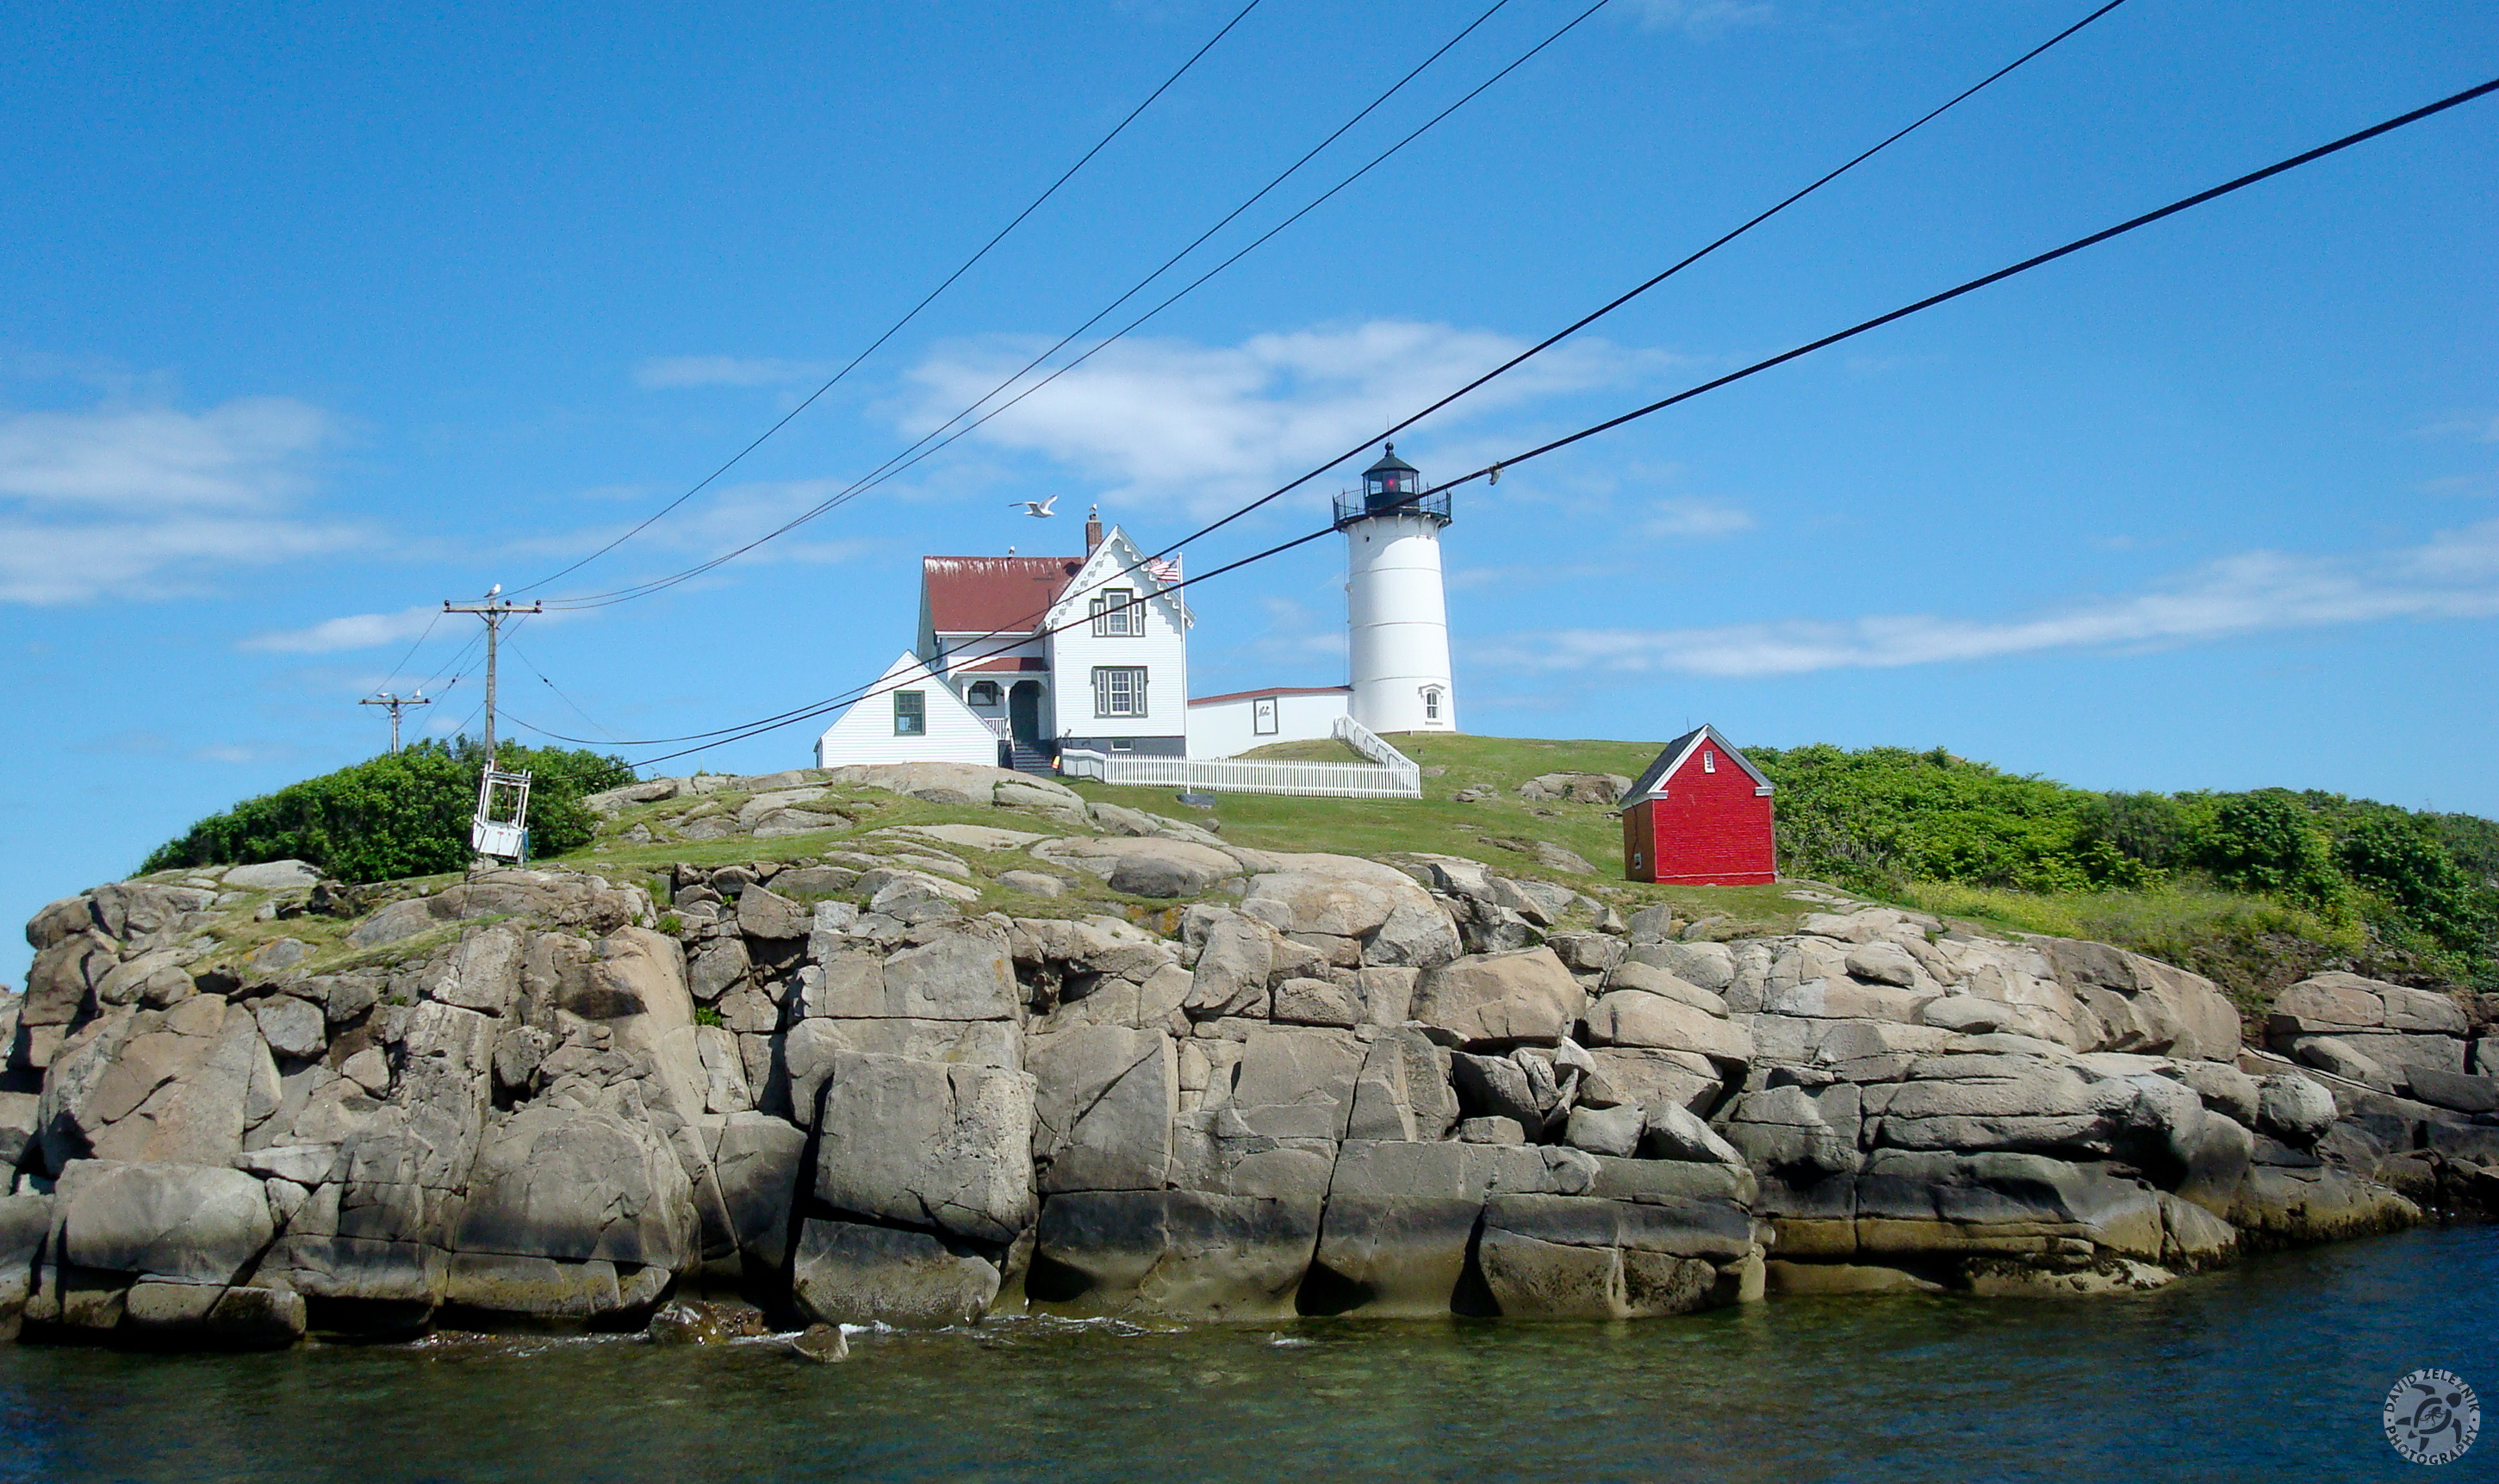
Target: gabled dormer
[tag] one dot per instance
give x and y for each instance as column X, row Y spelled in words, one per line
column 1116, row 580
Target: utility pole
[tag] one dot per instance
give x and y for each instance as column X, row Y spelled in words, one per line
column 494, row 610
column 395, row 703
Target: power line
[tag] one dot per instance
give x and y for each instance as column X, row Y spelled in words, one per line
column 923, row 448
column 734, row 734
column 914, row 312
column 515, row 648
column 1534, row 350
column 1590, row 318
column 454, row 666
column 412, row 654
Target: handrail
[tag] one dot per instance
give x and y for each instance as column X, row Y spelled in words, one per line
column 1362, row 739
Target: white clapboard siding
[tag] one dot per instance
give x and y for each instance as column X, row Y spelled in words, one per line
column 1227, row 726
column 1162, row 650
column 865, row 734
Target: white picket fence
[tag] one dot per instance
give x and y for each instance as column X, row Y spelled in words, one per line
column 1390, row 775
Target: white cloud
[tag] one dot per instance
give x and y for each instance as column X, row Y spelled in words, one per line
column 2454, row 576
column 355, row 631
column 1697, row 519
column 145, row 501
column 1700, row 19
column 1528, row 574
column 1214, row 425
column 2479, row 426
column 665, row 373
column 726, row 519
column 245, row 752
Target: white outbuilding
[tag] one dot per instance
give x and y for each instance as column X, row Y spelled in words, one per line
column 909, row 716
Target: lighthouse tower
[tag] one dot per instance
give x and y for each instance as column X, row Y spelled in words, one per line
column 1398, row 623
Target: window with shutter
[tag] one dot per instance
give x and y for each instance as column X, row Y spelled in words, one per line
column 1118, row 615
column 1118, row 690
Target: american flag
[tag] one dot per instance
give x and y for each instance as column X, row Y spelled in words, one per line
column 1165, row 569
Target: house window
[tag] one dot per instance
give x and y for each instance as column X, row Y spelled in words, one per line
column 1708, row 760
column 1430, row 703
column 1118, row 690
column 910, row 714
column 984, row 692
column 1117, row 614
column 1262, row 716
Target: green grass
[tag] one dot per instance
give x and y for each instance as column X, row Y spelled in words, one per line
column 1497, row 830
column 1309, row 750
column 2250, row 946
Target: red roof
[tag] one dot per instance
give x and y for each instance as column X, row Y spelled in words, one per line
column 1010, row 663
column 993, row 595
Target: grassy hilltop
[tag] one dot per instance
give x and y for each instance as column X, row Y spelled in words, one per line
column 2254, row 889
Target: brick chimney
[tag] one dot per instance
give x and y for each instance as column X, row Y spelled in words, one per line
column 1092, row 529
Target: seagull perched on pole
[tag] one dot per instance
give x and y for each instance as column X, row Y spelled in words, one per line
column 1038, row 509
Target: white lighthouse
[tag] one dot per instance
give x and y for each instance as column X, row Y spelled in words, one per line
column 1397, row 619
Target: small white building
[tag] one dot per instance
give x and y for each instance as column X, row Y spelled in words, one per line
column 1046, row 652
column 1228, row 726
column 909, row 716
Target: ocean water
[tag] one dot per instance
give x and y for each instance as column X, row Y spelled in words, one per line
column 2276, row 1370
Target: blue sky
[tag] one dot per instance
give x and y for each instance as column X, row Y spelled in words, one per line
column 318, row 314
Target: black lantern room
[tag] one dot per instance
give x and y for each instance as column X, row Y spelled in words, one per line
column 1391, row 487
column 1389, row 480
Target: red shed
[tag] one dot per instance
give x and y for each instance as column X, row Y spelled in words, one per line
column 1698, row 817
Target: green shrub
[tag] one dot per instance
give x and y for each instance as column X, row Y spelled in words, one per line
column 2408, row 866
column 399, row 815
column 1887, row 813
column 2269, row 842
column 2149, row 869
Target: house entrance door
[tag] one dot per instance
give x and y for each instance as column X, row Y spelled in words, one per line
column 1023, row 712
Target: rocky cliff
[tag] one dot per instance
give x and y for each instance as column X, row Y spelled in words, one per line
column 240, row 1105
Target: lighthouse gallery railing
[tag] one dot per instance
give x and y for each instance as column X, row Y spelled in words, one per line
column 1392, row 774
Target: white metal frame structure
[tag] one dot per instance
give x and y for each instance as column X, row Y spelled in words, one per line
column 502, row 824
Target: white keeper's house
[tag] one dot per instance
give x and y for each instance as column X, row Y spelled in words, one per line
column 1022, row 658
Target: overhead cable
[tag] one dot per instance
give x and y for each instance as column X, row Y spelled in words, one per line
column 930, row 442
column 2039, row 260
column 914, row 312
column 1548, row 342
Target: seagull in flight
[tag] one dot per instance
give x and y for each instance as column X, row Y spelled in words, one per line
column 1038, row 509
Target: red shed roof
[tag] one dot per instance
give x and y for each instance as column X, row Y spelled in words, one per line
column 993, row 595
